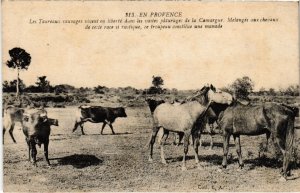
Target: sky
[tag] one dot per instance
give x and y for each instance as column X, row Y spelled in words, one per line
column 186, row 59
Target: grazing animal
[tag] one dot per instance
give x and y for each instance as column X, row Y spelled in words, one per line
column 98, row 114
column 181, row 118
column 152, row 103
column 268, row 118
column 222, row 100
column 36, row 128
column 11, row 115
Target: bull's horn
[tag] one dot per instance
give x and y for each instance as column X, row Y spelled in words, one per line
column 26, row 114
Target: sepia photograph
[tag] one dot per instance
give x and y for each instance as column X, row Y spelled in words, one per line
column 150, row 96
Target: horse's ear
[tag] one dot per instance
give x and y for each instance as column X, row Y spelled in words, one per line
column 212, row 88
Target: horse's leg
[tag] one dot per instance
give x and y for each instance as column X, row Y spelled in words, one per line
column 226, row 138
column 268, row 134
column 180, row 137
column 211, row 127
column 211, row 142
column 238, row 149
column 195, row 138
column 152, row 141
column 200, row 141
column 3, row 134
column 186, row 147
column 104, row 124
column 165, row 135
column 11, row 129
column 162, row 142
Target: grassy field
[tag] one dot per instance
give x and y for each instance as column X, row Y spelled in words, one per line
column 119, row 162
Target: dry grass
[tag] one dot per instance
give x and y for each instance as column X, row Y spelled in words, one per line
column 108, row 162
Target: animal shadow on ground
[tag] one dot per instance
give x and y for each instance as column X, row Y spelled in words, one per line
column 212, row 159
column 269, row 162
column 125, row 133
column 207, row 144
column 178, row 159
column 79, row 161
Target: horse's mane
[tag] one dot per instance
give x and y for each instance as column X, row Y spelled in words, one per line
column 295, row 110
column 200, row 96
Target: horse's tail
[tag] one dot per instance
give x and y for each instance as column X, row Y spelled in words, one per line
column 289, row 141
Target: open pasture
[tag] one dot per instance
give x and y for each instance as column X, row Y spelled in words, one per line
column 95, row 162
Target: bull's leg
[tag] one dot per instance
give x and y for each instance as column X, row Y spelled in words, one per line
column 238, row 149
column 104, row 124
column 46, row 144
column 185, row 147
column 112, row 129
column 11, row 129
column 29, row 148
column 33, row 152
column 81, row 126
column 152, row 141
column 75, row 126
column 226, row 138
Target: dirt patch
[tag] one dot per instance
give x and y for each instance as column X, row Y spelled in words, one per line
column 97, row 163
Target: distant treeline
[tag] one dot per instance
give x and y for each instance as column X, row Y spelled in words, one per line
column 43, row 86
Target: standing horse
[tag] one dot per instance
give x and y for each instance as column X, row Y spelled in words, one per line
column 268, row 118
column 184, row 118
column 221, row 101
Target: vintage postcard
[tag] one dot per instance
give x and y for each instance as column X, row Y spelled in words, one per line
column 150, row 96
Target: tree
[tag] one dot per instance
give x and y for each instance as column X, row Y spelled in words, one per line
column 242, row 87
column 5, row 86
column 101, row 89
column 272, row 92
column 157, row 81
column 12, row 86
column 20, row 60
column 262, row 91
column 292, row 90
column 64, row 88
column 43, row 84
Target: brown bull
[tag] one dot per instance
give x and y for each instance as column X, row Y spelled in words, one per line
column 36, row 128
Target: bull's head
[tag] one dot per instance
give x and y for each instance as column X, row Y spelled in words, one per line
column 35, row 116
column 122, row 112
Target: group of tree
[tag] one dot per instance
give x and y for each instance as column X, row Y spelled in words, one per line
column 156, row 88
column 20, row 60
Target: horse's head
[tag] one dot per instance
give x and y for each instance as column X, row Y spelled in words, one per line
column 203, row 95
column 220, row 97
